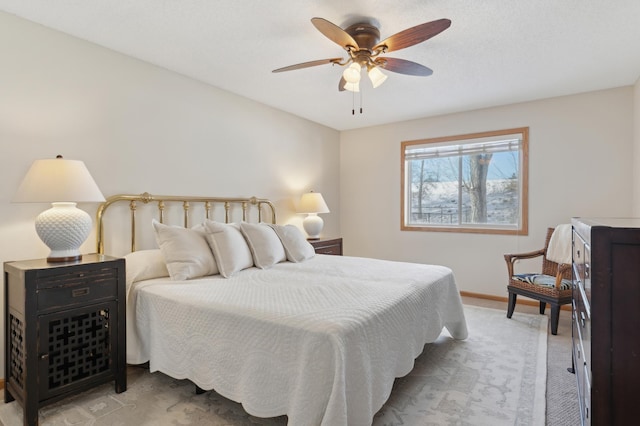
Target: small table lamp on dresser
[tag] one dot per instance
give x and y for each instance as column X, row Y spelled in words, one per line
column 312, row 204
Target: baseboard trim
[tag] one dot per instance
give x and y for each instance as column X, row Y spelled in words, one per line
column 523, row 300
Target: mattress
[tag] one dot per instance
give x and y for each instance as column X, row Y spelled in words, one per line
column 320, row 341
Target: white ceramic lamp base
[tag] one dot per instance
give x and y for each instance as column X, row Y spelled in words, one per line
column 313, row 225
column 63, row 228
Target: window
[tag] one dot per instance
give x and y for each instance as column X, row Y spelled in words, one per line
column 466, row 183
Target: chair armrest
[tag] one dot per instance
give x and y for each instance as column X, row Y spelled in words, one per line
column 512, row 258
column 528, row 255
column 563, row 269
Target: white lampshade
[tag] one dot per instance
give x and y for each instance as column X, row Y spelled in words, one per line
column 352, row 73
column 63, row 228
column 376, row 76
column 352, row 87
column 312, row 203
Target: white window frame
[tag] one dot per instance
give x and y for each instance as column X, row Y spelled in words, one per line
column 457, row 146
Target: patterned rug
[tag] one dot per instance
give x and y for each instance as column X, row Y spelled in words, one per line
column 495, row 377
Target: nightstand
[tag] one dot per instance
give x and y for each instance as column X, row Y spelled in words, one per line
column 64, row 329
column 327, row 246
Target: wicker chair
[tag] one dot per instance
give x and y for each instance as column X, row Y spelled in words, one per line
column 554, row 286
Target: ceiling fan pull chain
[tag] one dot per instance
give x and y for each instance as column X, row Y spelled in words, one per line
column 360, row 102
column 353, row 103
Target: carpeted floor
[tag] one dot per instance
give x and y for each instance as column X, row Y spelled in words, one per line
column 495, row 377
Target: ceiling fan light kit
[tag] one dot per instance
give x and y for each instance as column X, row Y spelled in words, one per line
column 352, row 73
column 376, row 76
column 351, row 87
column 362, row 43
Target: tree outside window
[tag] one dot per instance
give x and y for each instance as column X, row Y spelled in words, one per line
column 466, row 183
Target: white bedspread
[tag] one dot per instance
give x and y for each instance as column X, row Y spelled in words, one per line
column 320, row 341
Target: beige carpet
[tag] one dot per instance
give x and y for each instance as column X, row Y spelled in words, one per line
column 495, row 377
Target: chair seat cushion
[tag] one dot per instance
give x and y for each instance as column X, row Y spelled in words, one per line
column 542, row 280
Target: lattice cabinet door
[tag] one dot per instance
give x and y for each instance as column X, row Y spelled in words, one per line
column 76, row 346
column 64, row 329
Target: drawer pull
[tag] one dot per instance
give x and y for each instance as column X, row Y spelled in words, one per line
column 79, row 292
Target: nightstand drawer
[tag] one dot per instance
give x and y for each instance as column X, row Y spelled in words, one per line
column 80, row 292
column 74, row 275
column 332, row 246
column 334, row 250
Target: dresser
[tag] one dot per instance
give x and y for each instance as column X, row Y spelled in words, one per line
column 64, row 329
column 606, row 319
column 327, row 246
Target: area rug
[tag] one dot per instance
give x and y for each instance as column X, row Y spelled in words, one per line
column 495, row 377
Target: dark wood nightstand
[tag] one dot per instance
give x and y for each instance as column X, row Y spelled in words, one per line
column 64, row 329
column 327, row 246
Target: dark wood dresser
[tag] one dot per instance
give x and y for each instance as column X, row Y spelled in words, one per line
column 327, row 246
column 64, row 329
column 606, row 319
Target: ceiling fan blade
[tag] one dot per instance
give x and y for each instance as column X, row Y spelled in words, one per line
column 413, row 35
column 341, row 84
column 334, row 33
column 308, row 64
column 402, row 66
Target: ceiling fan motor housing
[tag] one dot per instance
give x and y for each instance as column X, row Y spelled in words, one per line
column 366, row 35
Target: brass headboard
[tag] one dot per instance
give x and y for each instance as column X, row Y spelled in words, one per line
column 163, row 201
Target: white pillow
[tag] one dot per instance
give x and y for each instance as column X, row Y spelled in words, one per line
column 296, row 246
column 145, row 265
column 264, row 244
column 231, row 252
column 185, row 251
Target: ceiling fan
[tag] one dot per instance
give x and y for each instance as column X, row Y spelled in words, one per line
column 362, row 43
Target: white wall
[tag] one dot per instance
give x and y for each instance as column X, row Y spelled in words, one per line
column 579, row 165
column 141, row 128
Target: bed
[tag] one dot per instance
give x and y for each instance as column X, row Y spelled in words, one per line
column 318, row 338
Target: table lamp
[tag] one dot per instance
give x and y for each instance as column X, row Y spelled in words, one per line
column 63, row 183
column 312, row 203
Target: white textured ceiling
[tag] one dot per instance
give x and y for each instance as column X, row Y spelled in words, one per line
column 496, row 52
